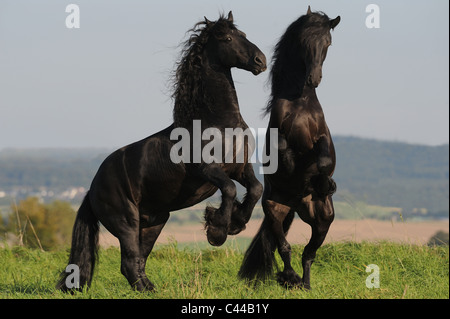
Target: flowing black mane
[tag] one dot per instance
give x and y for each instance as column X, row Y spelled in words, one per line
column 286, row 62
column 188, row 94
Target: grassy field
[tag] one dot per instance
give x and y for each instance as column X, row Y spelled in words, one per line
column 406, row 271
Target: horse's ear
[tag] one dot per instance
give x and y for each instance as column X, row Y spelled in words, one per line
column 309, row 10
column 207, row 21
column 335, row 22
column 230, row 17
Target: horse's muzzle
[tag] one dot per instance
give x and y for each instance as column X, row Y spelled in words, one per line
column 314, row 78
column 259, row 64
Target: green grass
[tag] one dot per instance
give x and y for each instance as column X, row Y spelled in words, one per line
column 406, row 271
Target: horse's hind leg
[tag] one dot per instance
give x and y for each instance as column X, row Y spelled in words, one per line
column 126, row 227
column 132, row 264
column 136, row 243
column 121, row 217
column 149, row 232
column 281, row 217
column 319, row 215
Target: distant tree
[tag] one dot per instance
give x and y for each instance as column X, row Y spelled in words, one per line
column 62, row 216
column 441, row 238
column 41, row 225
column 2, row 225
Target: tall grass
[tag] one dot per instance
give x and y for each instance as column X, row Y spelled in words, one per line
column 406, row 271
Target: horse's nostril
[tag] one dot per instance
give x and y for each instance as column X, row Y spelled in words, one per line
column 258, row 60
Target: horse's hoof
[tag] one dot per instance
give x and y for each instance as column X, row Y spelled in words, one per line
column 216, row 236
column 143, row 285
column 305, row 286
column 235, row 229
column 289, row 279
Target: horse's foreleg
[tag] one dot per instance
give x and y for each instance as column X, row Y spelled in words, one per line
column 324, row 159
column 243, row 211
column 218, row 219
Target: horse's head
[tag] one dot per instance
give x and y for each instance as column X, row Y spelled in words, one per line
column 229, row 47
column 315, row 38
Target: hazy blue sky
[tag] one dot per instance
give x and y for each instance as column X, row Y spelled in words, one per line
column 106, row 84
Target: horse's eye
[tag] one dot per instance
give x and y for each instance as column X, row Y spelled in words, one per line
column 229, row 39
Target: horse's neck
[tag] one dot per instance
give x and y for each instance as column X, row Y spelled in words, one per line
column 291, row 84
column 309, row 93
column 221, row 98
column 292, row 97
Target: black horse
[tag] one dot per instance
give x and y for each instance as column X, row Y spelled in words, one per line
column 306, row 153
column 137, row 186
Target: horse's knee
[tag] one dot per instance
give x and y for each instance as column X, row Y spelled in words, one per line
column 229, row 190
column 327, row 214
column 325, row 164
column 323, row 185
column 256, row 190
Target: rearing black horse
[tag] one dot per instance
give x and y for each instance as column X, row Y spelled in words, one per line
column 306, row 153
column 137, row 186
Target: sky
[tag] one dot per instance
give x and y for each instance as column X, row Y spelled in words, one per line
column 107, row 83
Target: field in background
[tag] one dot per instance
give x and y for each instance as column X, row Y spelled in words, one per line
column 399, row 231
column 406, row 271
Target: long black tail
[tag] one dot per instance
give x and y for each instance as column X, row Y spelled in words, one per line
column 259, row 260
column 260, row 256
column 84, row 250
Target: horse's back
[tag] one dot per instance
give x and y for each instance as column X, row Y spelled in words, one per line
column 139, row 170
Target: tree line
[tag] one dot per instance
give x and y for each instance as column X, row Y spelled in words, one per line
column 35, row 224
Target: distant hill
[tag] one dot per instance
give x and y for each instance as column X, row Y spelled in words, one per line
column 394, row 174
column 47, row 173
column 51, row 168
column 412, row 177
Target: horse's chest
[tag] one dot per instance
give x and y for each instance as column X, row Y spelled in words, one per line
column 302, row 132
